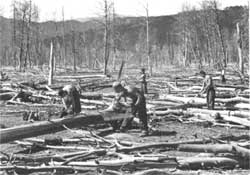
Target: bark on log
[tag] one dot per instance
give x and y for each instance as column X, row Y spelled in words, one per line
column 242, row 106
column 243, row 152
column 195, row 163
column 162, row 144
column 45, row 127
column 162, row 113
column 243, row 114
column 7, row 96
column 185, row 100
column 237, row 120
column 81, row 76
column 233, row 100
column 215, row 148
column 32, row 169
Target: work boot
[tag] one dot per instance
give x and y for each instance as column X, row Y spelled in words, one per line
column 144, row 133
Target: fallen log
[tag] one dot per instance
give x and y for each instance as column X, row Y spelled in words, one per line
column 45, row 127
column 215, row 148
column 243, row 152
column 7, row 96
column 244, row 114
column 96, row 102
column 195, row 163
column 81, row 76
column 162, row 113
column 242, row 106
column 236, row 120
column 162, row 144
column 233, row 100
column 229, row 125
column 185, row 100
column 52, row 168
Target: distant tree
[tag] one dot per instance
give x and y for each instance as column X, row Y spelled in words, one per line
column 25, row 15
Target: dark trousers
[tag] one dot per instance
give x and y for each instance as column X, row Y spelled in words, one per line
column 142, row 114
column 210, row 98
column 144, row 87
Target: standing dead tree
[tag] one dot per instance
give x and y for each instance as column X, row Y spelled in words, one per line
column 51, row 65
column 219, row 29
column 106, row 36
column 14, row 34
column 150, row 68
column 239, row 45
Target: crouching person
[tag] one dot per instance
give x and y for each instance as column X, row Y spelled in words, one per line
column 138, row 105
column 70, row 99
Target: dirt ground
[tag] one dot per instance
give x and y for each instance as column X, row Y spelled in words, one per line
column 11, row 115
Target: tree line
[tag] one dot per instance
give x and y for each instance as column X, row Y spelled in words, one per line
column 201, row 34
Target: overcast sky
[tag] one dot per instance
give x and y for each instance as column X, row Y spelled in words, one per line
column 52, row 9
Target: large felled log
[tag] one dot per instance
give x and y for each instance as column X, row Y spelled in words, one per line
column 7, row 96
column 237, row 120
column 32, row 169
column 162, row 144
column 81, row 76
column 185, row 100
column 243, row 114
column 45, row 127
column 162, row 113
column 243, row 152
column 195, row 163
column 215, row 148
column 243, row 106
column 233, row 100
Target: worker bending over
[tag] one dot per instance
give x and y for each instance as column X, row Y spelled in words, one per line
column 137, row 104
column 70, row 99
column 208, row 88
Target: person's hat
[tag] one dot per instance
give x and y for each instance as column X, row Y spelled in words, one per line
column 116, row 85
column 202, row 72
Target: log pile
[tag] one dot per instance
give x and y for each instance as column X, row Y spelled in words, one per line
column 90, row 149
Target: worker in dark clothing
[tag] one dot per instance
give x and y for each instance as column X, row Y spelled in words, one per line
column 71, row 100
column 137, row 104
column 223, row 79
column 209, row 89
column 143, row 81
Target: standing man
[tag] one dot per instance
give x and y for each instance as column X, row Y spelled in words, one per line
column 137, row 104
column 208, row 88
column 143, row 81
column 70, row 99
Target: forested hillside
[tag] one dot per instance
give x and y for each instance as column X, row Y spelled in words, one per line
column 207, row 35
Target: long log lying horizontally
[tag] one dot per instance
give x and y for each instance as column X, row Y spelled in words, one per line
column 45, row 127
column 195, row 163
column 215, row 148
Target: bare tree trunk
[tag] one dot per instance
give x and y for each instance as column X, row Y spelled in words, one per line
column 74, row 51
column 28, row 40
column 219, row 29
column 22, row 38
column 14, row 35
column 185, row 48
column 63, row 35
column 106, row 37
column 51, row 65
column 114, row 40
column 239, row 44
column 148, row 46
